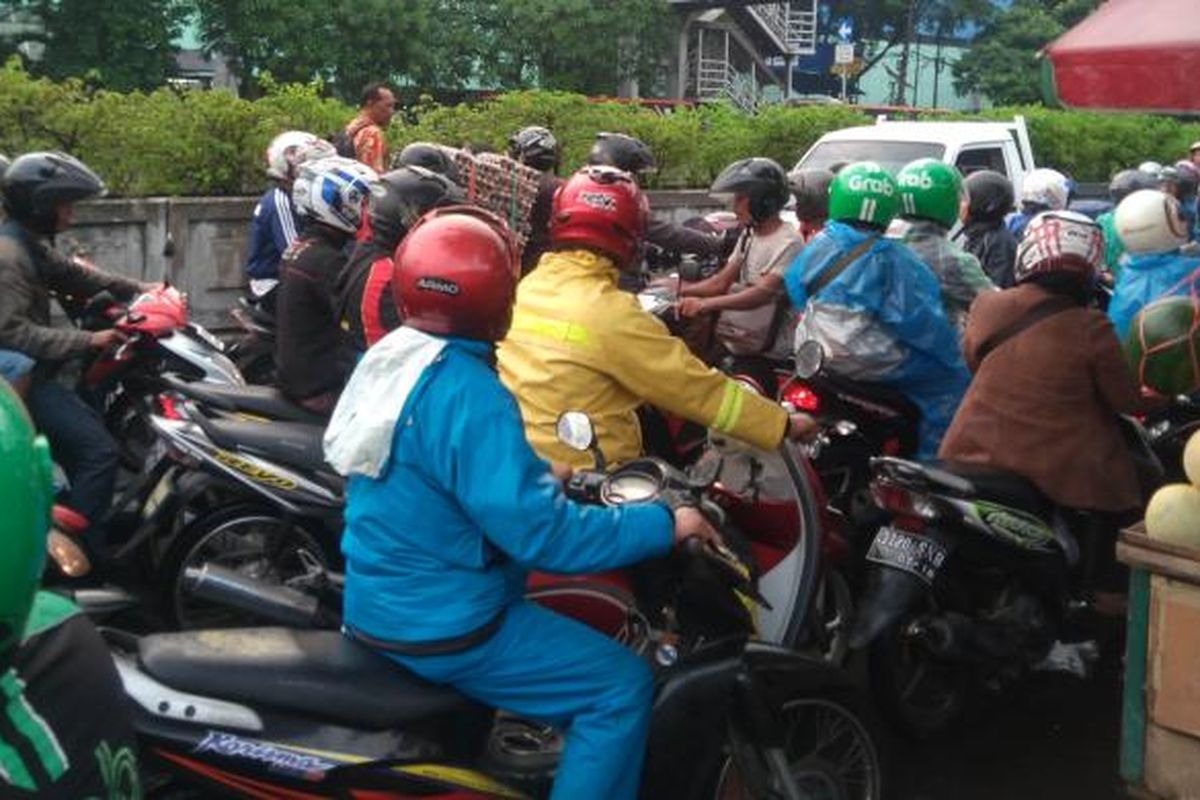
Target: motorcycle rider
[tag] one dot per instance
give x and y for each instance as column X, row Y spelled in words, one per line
column 40, row 190
column 1045, row 397
column 983, row 235
column 755, row 321
column 424, row 423
column 1186, row 184
column 1153, row 232
column 810, row 188
column 53, row 663
column 1041, row 190
column 632, row 155
column 535, row 146
column 578, row 342
column 931, row 201
column 311, row 353
column 364, row 286
column 1123, row 184
column 275, row 222
column 874, row 306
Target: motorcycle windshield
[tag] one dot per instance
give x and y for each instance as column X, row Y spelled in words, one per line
column 769, row 502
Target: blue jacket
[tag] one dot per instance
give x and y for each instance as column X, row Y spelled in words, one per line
column 439, row 543
column 272, row 228
column 881, row 320
column 1145, row 277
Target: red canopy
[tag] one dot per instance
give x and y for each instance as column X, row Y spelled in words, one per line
column 1132, row 54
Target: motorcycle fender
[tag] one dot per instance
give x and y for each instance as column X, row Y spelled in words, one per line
column 890, row 594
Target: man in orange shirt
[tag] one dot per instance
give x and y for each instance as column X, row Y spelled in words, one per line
column 375, row 111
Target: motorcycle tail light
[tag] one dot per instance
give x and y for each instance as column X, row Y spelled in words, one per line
column 903, row 502
column 801, row 398
column 166, row 404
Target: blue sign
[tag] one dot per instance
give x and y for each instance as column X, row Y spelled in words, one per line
column 845, row 29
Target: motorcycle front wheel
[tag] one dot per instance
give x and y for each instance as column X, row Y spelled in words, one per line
column 248, row 538
column 830, row 749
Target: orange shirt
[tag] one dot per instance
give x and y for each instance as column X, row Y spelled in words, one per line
column 369, row 145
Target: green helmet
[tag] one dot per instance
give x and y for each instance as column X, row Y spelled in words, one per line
column 28, row 491
column 864, row 192
column 930, row 189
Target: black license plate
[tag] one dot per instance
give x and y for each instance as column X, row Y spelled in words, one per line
column 914, row 554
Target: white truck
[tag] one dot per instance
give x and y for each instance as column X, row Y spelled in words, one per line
column 970, row 146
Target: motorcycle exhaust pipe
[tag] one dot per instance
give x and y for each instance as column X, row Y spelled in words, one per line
column 279, row 604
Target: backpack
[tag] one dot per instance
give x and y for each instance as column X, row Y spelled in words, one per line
column 343, row 140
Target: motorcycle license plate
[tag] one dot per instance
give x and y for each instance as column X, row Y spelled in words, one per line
column 914, row 554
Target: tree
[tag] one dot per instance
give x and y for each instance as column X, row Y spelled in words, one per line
column 346, row 43
column 1002, row 64
column 114, row 44
column 899, row 22
column 575, row 45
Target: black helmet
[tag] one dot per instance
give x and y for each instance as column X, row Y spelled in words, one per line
column 623, row 152
column 1128, row 181
column 408, row 192
column 36, row 183
column 990, row 195
column 535, row 147
column 432, row 157
column 761, row 180
column 810, row 187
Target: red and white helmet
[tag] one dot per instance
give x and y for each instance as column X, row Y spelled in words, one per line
column 287, row 150
column 601, row 208
column 1060, row 243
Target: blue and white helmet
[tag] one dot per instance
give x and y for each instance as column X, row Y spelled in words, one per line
column 334, row 191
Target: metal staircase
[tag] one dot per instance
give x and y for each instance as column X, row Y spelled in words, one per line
column 733, row 48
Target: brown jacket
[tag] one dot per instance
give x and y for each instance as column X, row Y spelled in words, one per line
column 1045, row 402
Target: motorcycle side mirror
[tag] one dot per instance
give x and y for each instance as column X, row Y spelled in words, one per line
column 810, row 358
column 576, row 431
column 705, row 472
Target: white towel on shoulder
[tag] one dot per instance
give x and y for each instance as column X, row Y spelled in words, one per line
column 358, row 440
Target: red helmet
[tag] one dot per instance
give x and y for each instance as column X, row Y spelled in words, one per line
column 455, row 274
column 603, row 209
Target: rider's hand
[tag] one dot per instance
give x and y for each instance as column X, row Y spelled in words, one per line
column 561, row 472
column 801, row 427
column 690, row 523
column 102, row 340
column 690, row 306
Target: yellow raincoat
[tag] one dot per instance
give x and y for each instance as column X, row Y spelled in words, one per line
column 578, row 343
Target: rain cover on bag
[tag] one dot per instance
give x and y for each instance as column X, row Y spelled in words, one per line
column 881, row 320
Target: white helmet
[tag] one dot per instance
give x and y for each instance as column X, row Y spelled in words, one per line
column 1151, row 168
column 334, row 190
column 1148, row 221
column 1046, row 187
column 283, row 150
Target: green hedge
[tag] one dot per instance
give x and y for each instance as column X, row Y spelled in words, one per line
column 211, row 143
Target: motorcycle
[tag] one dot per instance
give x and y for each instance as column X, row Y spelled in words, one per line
column 974, row 581
column 732, row 717
column 279, row 505
column 158, row 339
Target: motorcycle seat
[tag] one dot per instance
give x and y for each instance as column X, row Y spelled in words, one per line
column 317, row 673
column 263, row 401
column 1002, row 487
column 289, row 443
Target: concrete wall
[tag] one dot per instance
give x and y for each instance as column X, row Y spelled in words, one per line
column 199, row 243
